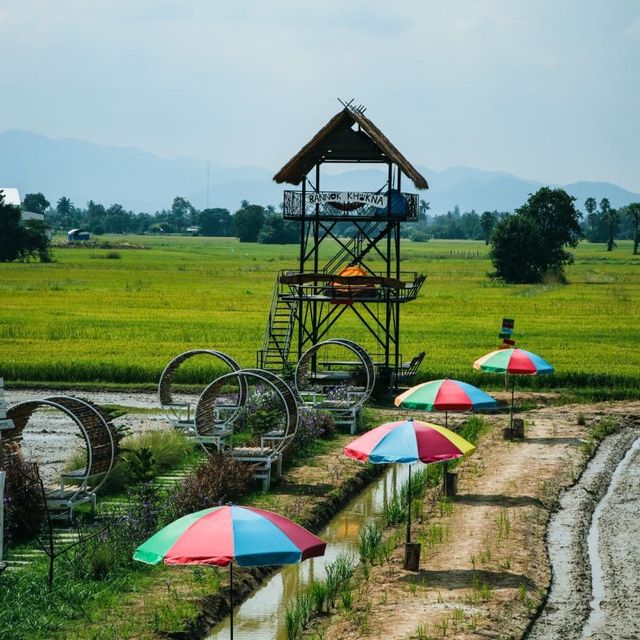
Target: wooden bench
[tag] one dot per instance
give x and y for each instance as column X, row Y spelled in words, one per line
column 263, row 459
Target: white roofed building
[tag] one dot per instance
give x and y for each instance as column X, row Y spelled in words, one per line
column 12, row 196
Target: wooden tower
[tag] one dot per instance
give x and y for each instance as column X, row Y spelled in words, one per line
column 365, row 227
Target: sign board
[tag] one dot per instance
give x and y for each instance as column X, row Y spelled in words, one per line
column 347, row 198
column 506, row 332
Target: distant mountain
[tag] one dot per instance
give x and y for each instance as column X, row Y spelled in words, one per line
column 144, row 182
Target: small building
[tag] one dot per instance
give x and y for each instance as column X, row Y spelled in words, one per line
column 77, row 235
column 12, row 196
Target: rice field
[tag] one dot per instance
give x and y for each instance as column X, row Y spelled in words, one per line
column 118, row 316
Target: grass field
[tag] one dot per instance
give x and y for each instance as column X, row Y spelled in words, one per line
column 96, row 315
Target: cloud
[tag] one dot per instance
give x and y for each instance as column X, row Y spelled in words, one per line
column 633, row 30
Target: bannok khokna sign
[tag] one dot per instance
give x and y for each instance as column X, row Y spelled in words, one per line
column 347, row 198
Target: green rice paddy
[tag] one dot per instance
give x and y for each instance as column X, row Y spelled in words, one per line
column 105, row 316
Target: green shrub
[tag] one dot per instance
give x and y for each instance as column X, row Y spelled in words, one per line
column 24, row 510
column 218, row 480
column 144, row 456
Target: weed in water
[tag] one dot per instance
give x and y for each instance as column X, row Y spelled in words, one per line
column 369, row 541
column 318, row 595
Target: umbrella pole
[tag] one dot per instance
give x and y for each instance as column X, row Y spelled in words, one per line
column 231, row 599
column 409, row 507
column 513, row 391
column 444, row 469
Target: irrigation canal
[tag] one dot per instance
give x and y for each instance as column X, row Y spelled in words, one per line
column 262, row 615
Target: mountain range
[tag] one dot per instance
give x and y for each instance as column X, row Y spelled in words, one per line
column 142, row 181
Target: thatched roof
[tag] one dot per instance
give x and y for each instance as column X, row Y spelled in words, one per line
column 337, row 141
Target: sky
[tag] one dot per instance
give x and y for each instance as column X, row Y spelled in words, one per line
column 546, row 90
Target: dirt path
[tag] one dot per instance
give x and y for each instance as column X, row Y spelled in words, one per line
column 484, row 567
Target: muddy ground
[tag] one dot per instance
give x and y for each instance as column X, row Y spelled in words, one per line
column 594, row 546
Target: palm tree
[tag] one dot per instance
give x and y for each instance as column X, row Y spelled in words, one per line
column 610, row 216
column 633, row 210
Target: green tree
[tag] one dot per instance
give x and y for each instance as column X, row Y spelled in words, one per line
column 516, row 244
column 21, row 241
column 633, row 211
column 590, row 206
column 533, row 241
column 182, row 213
column 276, row 231
column 67, row 215
column 423, row 208
column 116, row 219
column 248, row 221
column 487, row 223
column 35, row 202
column 215, row 222
column 95, row 214
column 610, row 216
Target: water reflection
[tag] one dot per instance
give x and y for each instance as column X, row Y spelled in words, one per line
column 261, row 617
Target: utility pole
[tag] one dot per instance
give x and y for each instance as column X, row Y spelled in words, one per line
column 207, row 184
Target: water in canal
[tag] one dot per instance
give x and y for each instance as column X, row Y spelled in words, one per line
column 262, row 616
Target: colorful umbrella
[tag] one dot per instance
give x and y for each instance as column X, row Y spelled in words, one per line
column 408, row 441
column 514, row 361
column 517, row 361
column 445, row 395
column 223, row 535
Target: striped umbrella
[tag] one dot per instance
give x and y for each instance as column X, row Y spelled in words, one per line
column 408, row 441
column 516, row 362
column 445, row 395
column 221, row 536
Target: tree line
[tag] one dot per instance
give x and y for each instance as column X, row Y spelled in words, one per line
column 601, row 224
column 250, row 223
